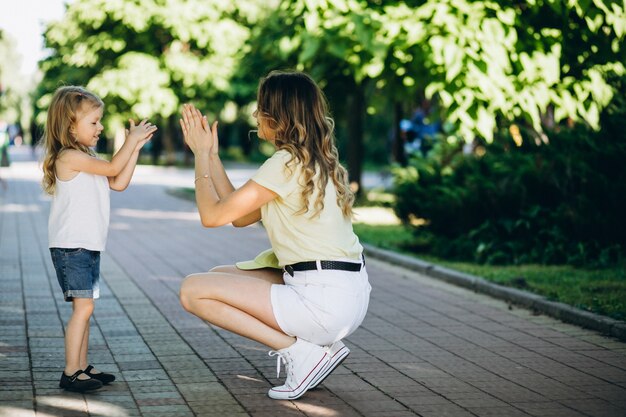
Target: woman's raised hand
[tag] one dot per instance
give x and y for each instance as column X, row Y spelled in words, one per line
column 198, row 135
column 216, row 143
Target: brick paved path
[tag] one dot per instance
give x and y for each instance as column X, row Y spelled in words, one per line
column 425, row 348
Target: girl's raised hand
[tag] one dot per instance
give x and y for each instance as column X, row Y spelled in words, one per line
column 140, row 133
column 198, row 135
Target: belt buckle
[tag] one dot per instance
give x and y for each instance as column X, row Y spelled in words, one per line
column 289, row 269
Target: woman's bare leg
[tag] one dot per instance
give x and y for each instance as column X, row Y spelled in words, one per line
column 271, row 275
column 239, row 303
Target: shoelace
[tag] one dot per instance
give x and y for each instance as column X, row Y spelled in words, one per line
column 280, row 358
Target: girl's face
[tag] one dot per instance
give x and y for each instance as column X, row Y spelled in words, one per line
column 88, row 126
column 263, row 125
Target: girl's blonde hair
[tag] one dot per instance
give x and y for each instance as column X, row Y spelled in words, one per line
column 297, row 110
column 67, row 104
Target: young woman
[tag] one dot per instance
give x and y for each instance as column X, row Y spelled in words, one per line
column 301, row 194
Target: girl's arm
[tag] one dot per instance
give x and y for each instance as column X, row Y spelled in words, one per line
column 120, row 182
column 76, row 160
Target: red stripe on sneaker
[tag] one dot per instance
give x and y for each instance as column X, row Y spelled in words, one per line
column 338, row 352
column 307, row 377
column 331, row 366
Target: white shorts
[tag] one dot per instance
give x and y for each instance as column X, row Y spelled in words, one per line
column 321, row 306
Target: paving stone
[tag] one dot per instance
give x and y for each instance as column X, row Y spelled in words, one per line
column 15, row 405
column 224, row 409
column 496, row 412
column 145, row 375
column 139, row 365
column 170, row 410
column 441, row 410
column 542, row 408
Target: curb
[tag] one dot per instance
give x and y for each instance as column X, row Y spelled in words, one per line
column 563, row 312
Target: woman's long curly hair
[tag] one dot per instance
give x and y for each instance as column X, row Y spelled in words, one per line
column 297, row 110
column 68, row 103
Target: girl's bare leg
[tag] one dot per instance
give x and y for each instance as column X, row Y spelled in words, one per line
column 84, row 349
column 236, row 302
column 77, row 327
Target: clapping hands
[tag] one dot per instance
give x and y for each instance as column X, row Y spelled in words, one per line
column 199, row 136
column 140, row 133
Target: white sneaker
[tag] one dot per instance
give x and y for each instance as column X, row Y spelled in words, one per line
column 303, row 361
column 337, row 352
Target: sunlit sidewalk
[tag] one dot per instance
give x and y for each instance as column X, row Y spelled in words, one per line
column 425, row 348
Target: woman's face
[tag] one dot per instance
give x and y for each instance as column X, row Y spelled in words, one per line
column 263, row 126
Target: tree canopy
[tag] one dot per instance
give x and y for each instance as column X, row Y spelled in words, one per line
column 144, row 57
column 486, row 62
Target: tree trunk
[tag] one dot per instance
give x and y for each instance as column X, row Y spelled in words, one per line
column 356, row 113
column 398, row 141
column 246, row 139
column 168, row 140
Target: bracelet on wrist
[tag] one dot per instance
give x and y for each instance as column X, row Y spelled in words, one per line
column 206, row 176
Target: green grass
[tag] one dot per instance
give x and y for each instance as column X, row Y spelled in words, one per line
column 602, row 291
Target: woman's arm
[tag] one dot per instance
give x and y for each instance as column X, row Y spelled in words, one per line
column 240, row 206
column 212, row 182
column 224, row 188
column 222, row 183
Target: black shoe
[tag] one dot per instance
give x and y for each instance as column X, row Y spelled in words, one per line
column 102, row 377
column 72, row 383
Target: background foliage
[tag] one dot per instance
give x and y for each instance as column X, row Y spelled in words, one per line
column 561, row 202
column 13, row 87
column 488, row 63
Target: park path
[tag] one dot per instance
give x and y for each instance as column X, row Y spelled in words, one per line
column 425, row 348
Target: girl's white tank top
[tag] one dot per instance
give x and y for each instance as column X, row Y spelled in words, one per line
column 79, row 214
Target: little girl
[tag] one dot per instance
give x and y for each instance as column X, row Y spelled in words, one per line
column 79, row 215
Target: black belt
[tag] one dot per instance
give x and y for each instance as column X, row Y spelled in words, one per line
column 312, row 265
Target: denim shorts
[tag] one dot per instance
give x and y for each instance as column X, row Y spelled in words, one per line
column 78, row 272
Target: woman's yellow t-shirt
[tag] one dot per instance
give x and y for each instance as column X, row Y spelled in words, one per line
column 301, row 237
